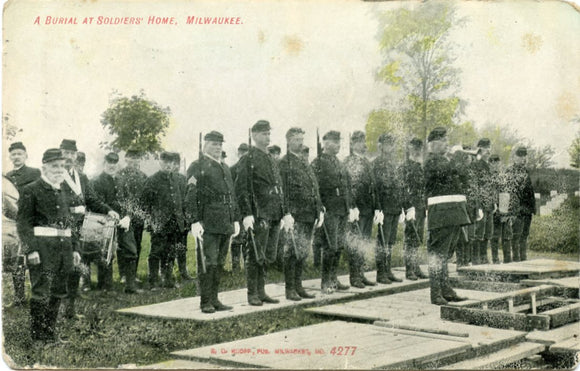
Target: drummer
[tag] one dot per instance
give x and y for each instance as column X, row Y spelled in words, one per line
column 82, row 198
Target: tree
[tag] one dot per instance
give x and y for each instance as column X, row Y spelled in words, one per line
column 574, row 151
column 419, row 58
column 503, row 139
column 540, row 157
column 136, row 122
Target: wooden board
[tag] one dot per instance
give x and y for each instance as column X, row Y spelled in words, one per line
column 529, row 269
column 554, row 335
column 189, row 309
column 497, row 319
column 563, row 315
column 571, row 345
column 498, row 359
column 310, row 348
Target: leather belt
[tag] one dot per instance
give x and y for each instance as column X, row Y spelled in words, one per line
column 51, row 232
column 77, row 209
column 445, row 199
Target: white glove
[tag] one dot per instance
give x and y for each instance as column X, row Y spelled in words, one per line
column 236, row 229
column 494, row 208
column 125, row 223
column 113, row 214
column 197, row 230
column 287, row 222
column 379, row 217
column 248, row 222
column 33, row 258
column 410, row 214
column 356, row 213
column 479, row 215
column 353, row 215
column 76, row 258
column 320, row 220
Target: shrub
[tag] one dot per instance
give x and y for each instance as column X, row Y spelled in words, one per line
column 559, row 232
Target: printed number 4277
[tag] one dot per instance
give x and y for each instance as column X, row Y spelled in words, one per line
column 343, row 351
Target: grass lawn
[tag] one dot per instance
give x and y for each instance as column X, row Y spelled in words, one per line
column 102, row 338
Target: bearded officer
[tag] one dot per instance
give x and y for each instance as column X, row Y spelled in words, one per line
column 447, row 214
column 259, row 192
column 363, row 190
column 21, row 175
column 45, row 226
column 83, row 198
column 301, row 191
column 212, row 212
column 335, row 193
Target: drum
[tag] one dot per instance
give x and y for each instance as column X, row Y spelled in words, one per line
column 98, row 236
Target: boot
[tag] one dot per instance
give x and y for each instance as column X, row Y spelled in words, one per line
column 494, row 250
column 326, row 281
column 205, row 285
column 334, row 267
column 506, row 246
column 262, row 287
column 252, row 282
column 355, row 273
column 38, row 331
column 167, row 270
column 474, row 247
column 523, row 250
column 298, row 281
column 446, row 290
column 289, row 276
column 217, row 304
column 69, row 308
column 416, row 268
column 435, row 286
column 409, row 263
column 390, row 274
column 182, row 266
column 381, row 261
column 130, row 273
column 18, row 279
column 467, row 252
column 153, row 273
column 51, row 317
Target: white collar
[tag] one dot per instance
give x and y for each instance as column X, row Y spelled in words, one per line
column 53, row 185
column 212, row 158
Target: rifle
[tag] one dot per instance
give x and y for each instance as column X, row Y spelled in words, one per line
column 259, row 259
column 318, row 153
column 286, row 196
column 198, row 241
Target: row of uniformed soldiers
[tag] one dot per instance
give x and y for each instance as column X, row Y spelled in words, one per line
column 319, row 204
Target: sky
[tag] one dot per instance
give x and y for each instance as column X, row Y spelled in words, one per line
column 295, row 63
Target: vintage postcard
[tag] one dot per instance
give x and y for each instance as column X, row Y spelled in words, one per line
column 343, row 184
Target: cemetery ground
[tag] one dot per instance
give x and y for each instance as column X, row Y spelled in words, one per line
column 100, row 337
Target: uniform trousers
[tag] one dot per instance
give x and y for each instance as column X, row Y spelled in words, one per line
column 261, row 255
column 215, row 250
column 483, row 233
column 502, row 229
column 333, row 244
column 385, row 242
column 360, row 239
column 162, row 255
column 296, row 250
column 521, row 232
column 414, row 230
column 441, row 244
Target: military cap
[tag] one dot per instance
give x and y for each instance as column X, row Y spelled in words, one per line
column 214, row 136
column 244, row 147
column 437, row 134
column 261, row 126
column 274, row 149
column 484, row 143
column 132, row 153
column 357, row 136
column 494, row 158
column 386, row 138
column 332, row 135
column 305, row 149
column 69, row 145
column 112, row 158
column 81, row 158
column 416, row 143
column 521, row 151
column 16, row 145
column 51, row 155
column 293, row 131
column 166, row 156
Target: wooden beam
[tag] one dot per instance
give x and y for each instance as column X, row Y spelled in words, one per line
column 465, row 284
column 563, row 315
column 519, row 296
column 497, row 319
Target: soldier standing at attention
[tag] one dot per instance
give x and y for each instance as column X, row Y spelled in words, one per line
column 484, row 195
column 21, row 175
column 45, row 228
column 415, row 206
column 390, row 199
column 130, row 183
column 363, row 190
column 105, row 186
column 335, row 193
column 212, row 212
column 524, row 204
column 259, row 192
column 447, row 213
column 238, row 241
column 301, row 191
column 83, row 197
column 163, row 201
column 502, row 220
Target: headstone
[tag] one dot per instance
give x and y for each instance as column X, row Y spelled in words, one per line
column 577, row 193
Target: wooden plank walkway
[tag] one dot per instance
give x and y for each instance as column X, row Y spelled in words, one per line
column 556, row 335
column 529, row 269
column 498, row 359
column 188, row 308
column 331, row 345
column 570, row 346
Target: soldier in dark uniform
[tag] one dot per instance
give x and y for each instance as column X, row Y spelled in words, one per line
column 390, row 199
column 45, row 226
column 524, row 205
column 415, row 206
column 20, row 176
column 502, row 220
column 163, row 201
column 484, row 194
column 83, row 198
column 212, row 212
column 181, row 250
column 238, row 241
column 130, row 183
column 301, row 191
column 363, row 190
column 335, row 193
column 105, row 186
column 259, row 193
column 447, row 213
